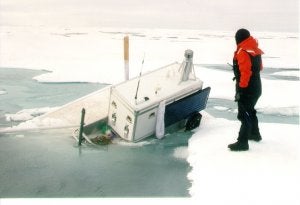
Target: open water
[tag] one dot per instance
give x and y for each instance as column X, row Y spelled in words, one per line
column 49, row 163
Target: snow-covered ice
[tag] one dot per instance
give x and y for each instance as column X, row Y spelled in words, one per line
column 267, row 174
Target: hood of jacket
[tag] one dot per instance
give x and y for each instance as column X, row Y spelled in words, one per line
column 250, row 45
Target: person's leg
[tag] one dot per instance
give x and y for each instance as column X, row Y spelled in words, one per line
column 245, row 129
column 255, row 134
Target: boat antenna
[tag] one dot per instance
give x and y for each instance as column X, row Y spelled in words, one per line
column 138, row 85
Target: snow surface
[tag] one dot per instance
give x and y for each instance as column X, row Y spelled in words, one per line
column 89, row 52
column 267, row 174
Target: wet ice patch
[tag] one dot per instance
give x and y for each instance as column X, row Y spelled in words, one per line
column 285, row 111
column 18, row 117
column 181, row 152
column 3, row 92
column 36, row 123
column 28, row 114
column 221, row 108
column 227, row 109
column 287, row 73
column 132, row 144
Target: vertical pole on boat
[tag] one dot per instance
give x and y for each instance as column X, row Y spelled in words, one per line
column 188, row 66
column 81, row 126
column 126, row 57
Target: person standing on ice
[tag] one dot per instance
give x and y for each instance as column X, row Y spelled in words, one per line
column 247, row 64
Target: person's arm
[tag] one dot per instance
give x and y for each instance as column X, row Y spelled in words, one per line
column 244, row 62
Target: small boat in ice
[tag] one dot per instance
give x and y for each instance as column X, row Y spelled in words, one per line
column 144, row 105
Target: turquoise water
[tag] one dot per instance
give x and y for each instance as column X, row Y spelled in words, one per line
column 49, row 163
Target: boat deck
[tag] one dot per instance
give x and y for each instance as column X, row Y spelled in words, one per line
column 156, row 86
column 95, row 105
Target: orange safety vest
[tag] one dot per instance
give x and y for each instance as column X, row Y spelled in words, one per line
column 241, row 56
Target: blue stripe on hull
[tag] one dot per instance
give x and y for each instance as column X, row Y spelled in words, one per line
column 184, row 107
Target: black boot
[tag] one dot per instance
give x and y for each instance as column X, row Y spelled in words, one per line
column 255, row 137
column 239, row 146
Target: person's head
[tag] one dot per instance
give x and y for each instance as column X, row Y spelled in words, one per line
column 241, row 35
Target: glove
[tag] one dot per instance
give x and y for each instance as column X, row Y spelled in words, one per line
column 239, row 93
column 237, row 96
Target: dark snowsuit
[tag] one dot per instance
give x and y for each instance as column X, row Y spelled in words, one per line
column 247, row 65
